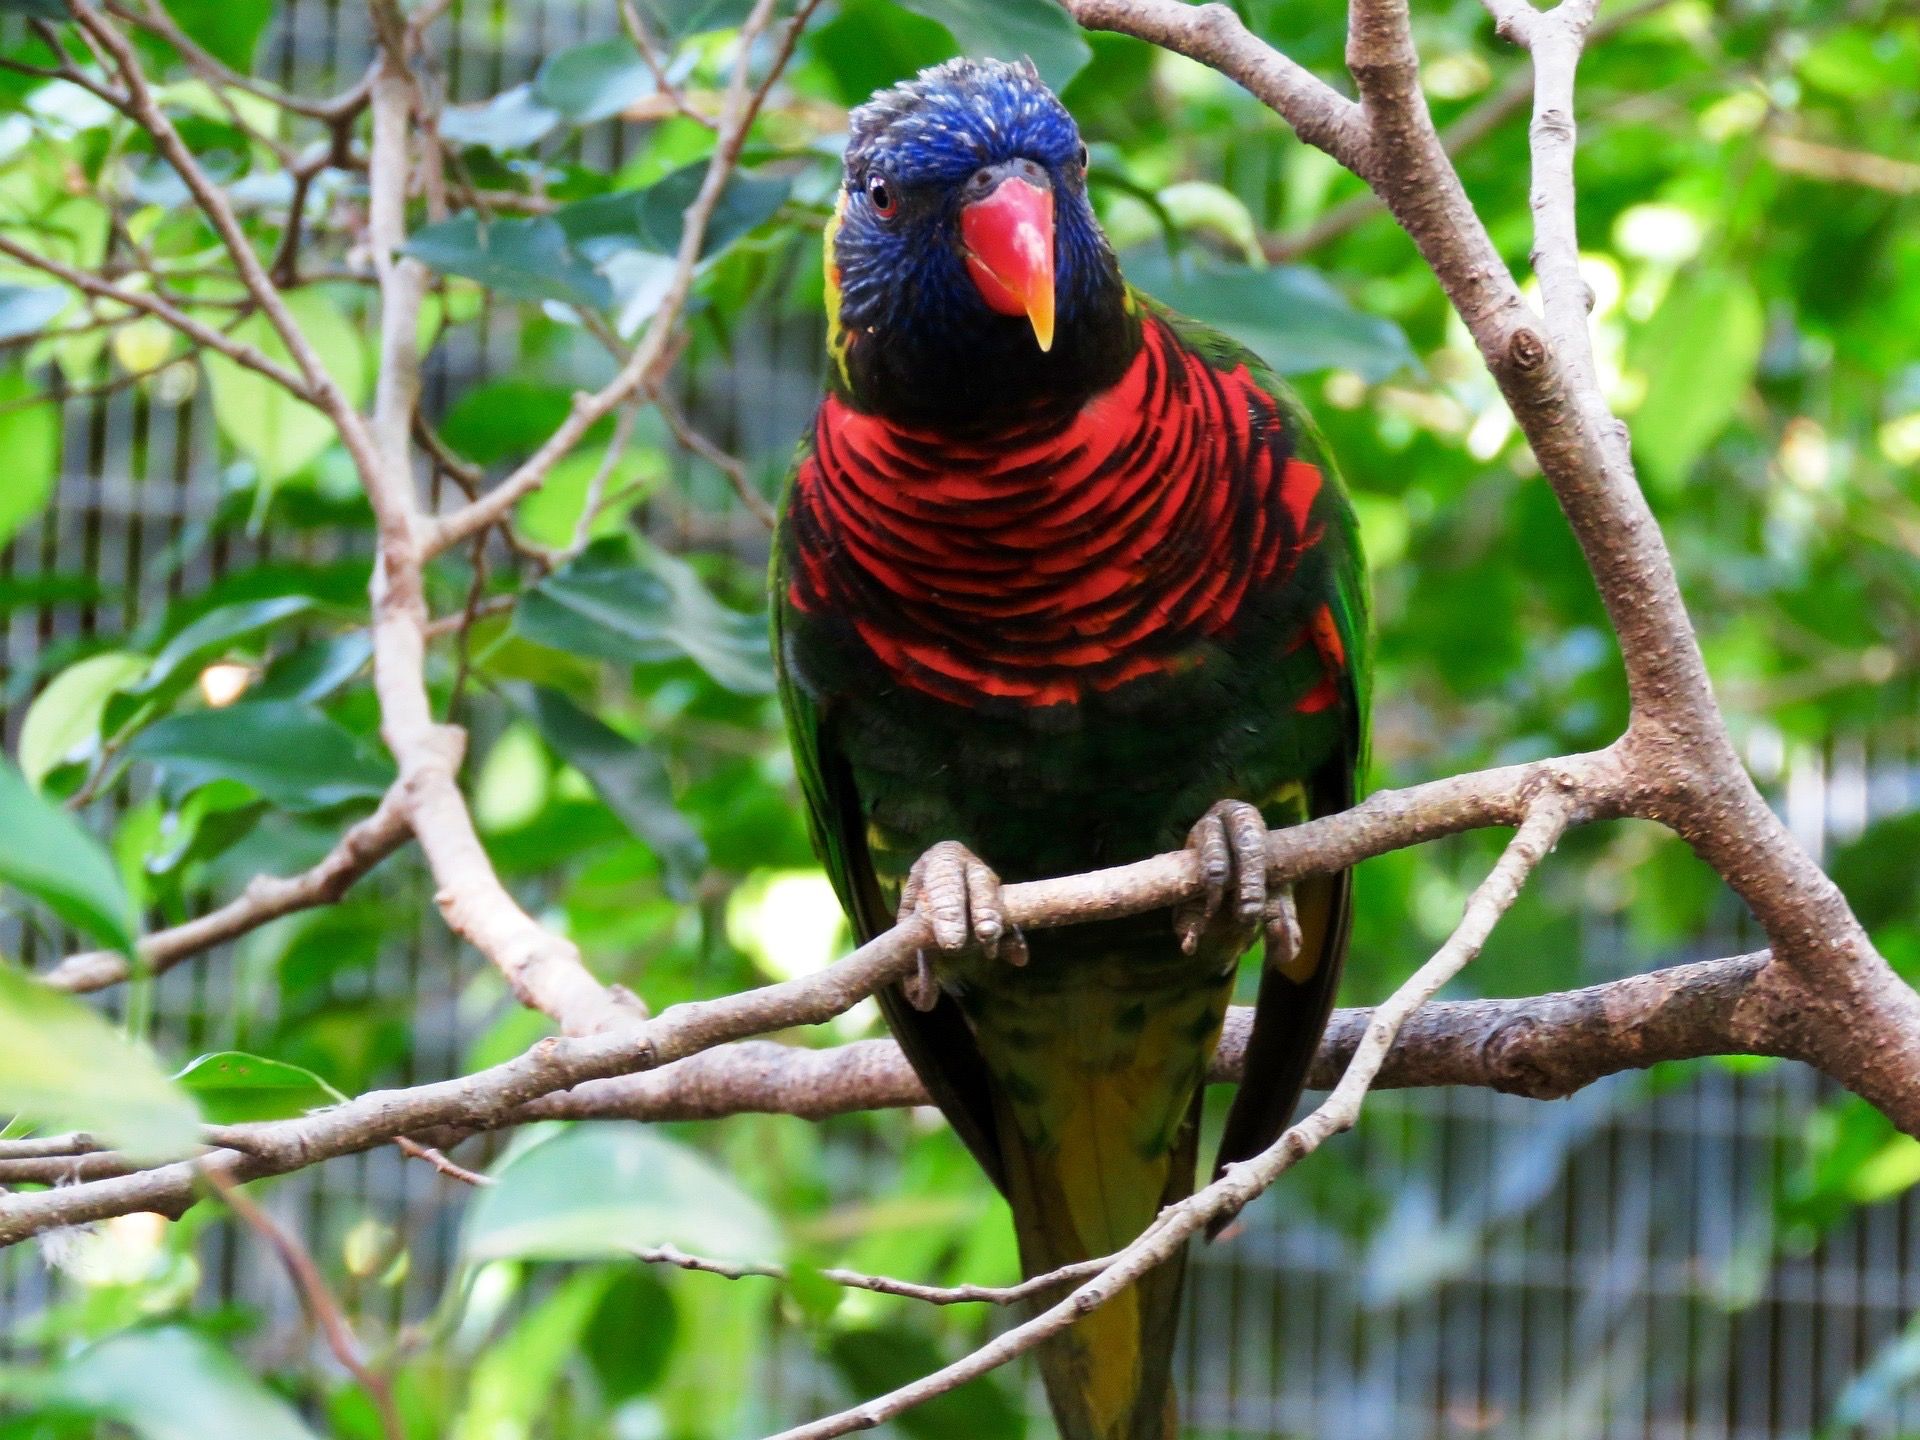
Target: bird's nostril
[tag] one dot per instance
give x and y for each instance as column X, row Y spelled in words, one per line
column 982, row 175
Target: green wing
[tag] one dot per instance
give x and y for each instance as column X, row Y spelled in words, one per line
column 938, row 1042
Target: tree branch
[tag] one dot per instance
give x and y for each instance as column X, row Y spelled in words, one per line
column 267, row 897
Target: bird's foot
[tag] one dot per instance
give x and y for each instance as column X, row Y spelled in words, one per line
column 959, row 896
column 1230, row 842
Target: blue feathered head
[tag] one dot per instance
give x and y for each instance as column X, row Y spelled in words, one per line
column 968, row 270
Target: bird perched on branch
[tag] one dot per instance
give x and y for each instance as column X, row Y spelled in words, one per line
column 1058, row 572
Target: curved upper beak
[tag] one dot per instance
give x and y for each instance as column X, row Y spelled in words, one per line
column 1008, row 239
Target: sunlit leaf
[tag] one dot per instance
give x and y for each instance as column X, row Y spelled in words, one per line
column 63, row 723
column 30, row 439
column 234, row 1087
column 607, row 1189
column 63, row 1066
column 1698, row 353
column 279, row 434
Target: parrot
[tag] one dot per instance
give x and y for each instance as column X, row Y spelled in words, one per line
column 1062, row 580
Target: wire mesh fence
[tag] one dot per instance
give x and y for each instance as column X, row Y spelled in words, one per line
column 1597, row 1269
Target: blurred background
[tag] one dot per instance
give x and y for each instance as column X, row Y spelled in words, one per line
column 1705, row 1252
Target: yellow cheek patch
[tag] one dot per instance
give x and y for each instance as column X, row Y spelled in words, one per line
column 837, row 337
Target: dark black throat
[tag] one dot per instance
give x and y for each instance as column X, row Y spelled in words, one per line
column 993, row 374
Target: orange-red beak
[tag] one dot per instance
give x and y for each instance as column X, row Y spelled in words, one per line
column 1009, row 247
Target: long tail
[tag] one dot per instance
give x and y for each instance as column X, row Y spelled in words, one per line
column 1109, row 1377
column 1098, row 1130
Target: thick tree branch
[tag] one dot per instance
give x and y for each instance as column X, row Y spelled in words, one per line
column 1385, row 821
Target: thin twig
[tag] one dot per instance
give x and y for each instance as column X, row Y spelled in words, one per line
column 319, row 1302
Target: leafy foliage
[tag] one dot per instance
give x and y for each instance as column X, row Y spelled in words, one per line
column 1756, row 297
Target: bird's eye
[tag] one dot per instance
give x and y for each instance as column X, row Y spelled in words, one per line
column 1085, row 158
column 880, row 196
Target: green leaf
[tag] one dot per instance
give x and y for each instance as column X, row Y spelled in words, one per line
column 30, row 439
column 1698, row 354
column 65, row 1067
column 1288, row 315
column 630, row 778
column 513, row 1379
column 50, row 857
column 293, row 755
column 647, row 613
column 230, row 29
column 314, row 672
column 63, row 723
column 208, row 636
column 606, row 1189
column 875, row 1359
column 511, row 120
column 1040, row 30
column 234, row 1087
column 593, row 82
column 526, row 259
column 27, row 309
column 652, row 219
column 38, row 9
column 172, row 1384
column 282, row 435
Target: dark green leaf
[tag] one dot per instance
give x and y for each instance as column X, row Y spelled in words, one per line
column 314, row 672
column 207, row 637
column 628, row 777
column 527, row 259
column 592, row 82
column 608, row 1189
column 234, row 1088
column 652, row 219
column 46, row 854
column 296, row 757
column 64, row 1067
column 38, row 9
column 646, row 613
column 875, row 1359
column 26, row 309
column 1286, row 314
column 1038, row 30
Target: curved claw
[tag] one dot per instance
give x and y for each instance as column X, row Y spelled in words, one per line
column 960, row 897
column 1230, row 842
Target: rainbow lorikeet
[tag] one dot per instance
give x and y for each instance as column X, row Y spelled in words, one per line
column 1056, row 571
